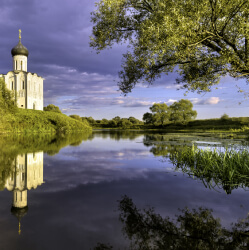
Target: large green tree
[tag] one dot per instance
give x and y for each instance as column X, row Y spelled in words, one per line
column 160, row 113
column 147, row 118
column 182, row 111
column 201, row 39
column 134, row 120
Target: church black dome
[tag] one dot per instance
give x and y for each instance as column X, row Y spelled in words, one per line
column 19, row 49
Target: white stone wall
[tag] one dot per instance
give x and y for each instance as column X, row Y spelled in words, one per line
column 21, row 92
column 20, row 63
column 34, row 92
column 28, row 88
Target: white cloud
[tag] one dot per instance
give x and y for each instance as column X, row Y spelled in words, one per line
column 173, row 86
column 213, row 100
column 137, row 103
column 170, row 101
column 206, row 101
column 119, row 102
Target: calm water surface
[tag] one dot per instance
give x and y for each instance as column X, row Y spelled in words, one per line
column 74, row 185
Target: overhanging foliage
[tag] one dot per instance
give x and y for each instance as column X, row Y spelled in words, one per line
column 201, row 39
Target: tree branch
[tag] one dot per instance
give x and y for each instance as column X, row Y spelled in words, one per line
column 212, row 46
column 245, row 74
column 125, row 30
column 172, row 62
column 193, row 44
column 233, row 46
column 233, row 14
column 144, row 6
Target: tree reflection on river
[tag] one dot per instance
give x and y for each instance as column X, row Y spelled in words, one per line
column 191, row 229
column 83, row 177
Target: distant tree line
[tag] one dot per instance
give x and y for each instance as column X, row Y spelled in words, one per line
column 115, row 122
column 162, row 114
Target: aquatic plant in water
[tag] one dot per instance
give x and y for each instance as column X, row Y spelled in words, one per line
column 228, row 169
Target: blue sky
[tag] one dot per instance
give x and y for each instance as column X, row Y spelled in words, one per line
column 79, row 81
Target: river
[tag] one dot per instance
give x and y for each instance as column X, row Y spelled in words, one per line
column 63, row 193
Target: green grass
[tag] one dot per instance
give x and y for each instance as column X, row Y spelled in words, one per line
column 227, row 170
column 235, row 128
column 240, row 124
column 35, row 121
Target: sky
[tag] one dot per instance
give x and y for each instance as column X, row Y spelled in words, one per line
column 80, row 81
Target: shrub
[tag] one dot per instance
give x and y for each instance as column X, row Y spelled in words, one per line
column 224, row 117
column 52, row 107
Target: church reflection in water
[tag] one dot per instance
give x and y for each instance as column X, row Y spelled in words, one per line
column 27, row 174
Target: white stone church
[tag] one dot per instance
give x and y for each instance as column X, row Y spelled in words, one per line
column 28, row 86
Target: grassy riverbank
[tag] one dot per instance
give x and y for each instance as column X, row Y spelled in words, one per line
column 234, row 124
column 235, row 127
column 229, row 127
column 35, row 121
column 15, row 120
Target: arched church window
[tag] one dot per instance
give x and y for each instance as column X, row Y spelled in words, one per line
column 12, row 85
column 16, row 64
column 23, row 85
column 21, row 65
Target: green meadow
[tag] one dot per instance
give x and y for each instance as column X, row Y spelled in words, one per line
column 35, row 121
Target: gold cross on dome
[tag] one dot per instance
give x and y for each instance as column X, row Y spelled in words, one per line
column 20, row 34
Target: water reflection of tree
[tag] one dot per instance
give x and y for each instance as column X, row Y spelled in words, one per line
column 118, row 134
column 191, row 229
column 6, row 166
column 164, row 145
